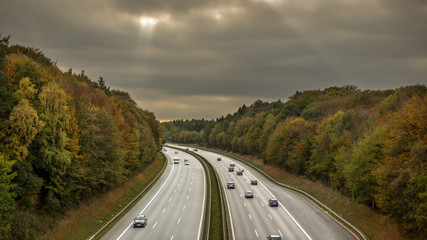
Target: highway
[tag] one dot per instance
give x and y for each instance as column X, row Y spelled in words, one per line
column 174, row 206
column 252, row 218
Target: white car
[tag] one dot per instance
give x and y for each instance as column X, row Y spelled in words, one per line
column 274, row 237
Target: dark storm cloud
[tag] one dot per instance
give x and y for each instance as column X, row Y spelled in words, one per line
column 175, row 6
column 203, row 59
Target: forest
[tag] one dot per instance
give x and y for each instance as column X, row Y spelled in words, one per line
column 371, row 145
column 63, row 139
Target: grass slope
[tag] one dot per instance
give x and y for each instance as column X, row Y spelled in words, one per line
column 82, row 222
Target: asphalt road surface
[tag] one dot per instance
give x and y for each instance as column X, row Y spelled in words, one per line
column 253, row 218
column 174, row 206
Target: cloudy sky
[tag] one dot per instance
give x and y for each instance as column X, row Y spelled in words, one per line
column 184, row 59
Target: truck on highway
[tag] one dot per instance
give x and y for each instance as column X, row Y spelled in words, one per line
column 175, row 160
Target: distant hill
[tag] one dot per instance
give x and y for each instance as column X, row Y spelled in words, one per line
column 370, row 144
column 63, row 138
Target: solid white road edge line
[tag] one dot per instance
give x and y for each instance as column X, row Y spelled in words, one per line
column 167, row 179
column 203, row 206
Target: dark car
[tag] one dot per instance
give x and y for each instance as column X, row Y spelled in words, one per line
column 249, row 194
column 140, row 221
column 231, row 185
column 273, row 202
column 274, row 237
column 254, row 182
column 231, row 169
column 218, row 159
column 232, row 164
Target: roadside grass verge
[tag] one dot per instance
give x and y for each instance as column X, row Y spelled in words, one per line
column 373, row 224
column 82, row 222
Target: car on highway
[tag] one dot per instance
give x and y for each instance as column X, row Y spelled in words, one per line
column 232, row 164
column 274, row 237
column 140, row 221
column 231, row 169
column 254, row 182
column 218, row 159
column 249, row 194
column 240, row 172
column 195, row 149
column 231, row 185
column 187, row 163
column 176, row 152
column 273, row 202
column 164, row 149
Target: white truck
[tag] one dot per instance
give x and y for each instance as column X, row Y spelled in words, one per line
column 175, row 160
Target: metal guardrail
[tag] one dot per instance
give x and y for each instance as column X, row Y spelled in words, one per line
column 208, row 214
column 310, row 197
column 129, row 204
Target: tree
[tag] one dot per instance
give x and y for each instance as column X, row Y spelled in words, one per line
column 7, row 195
column 288, row 145
column 26, row 90
column 24, row 124
column 360, row 165
column 6, row 104
column 402, row 175
column 333, row 135
column 53, row 142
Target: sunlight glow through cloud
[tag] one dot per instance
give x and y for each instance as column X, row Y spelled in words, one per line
column 147, row 22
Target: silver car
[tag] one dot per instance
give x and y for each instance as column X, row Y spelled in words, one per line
column 249, row 194
column 140, row 221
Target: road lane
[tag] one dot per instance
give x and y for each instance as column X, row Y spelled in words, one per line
column 174, row 207
column 294, row 218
